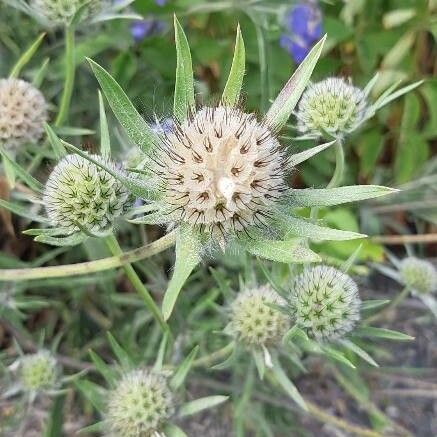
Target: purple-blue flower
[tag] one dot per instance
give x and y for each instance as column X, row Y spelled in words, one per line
column 161, row 2
column 141, row 29
column 303, row 27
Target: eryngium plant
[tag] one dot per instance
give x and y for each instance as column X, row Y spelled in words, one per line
column 23, row 112
column 219, row 175
column 325, row 303
column 80, row 196
column 418, row 274
column 38, row 371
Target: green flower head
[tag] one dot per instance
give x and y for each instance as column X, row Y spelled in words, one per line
column 418, row 274
column 38, row 371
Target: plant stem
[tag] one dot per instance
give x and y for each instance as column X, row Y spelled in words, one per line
column 339, row 165
column 136, row 282
column 64, row 106
column 393, row 304
column 214, row 357
column 84, row 268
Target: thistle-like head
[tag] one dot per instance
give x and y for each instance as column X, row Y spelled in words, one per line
column 418, row 274
column 61, row 12
column 23, row 112
column 139, row 405
column 38, row 371
column 253, row 322
column 222, row 170
column 80, row 196
column 332, row 107
column 325, row 303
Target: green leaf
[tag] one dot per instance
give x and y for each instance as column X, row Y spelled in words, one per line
column 307, row 154
column 287, row 99
column 259, row 362
column 54, row 424
column 289, row 251
column 23, row 211
column 103, row 368
column 385, row 99
column 310, row 197
column 93, row 392
column 184, row 87
column 159, row 361
column 122, row 356
column 99, row 428
column 182, row 371
column 358, row 351
column 105, row 143
column 303, row 228
column 172, row 430
column 369, row 305
column 370, row 331
column 19, row 171
column 9, row 173
column 194, row 407
column 287, row 385
column 71, row 240
column 337, row 356
column 231, row 93
column 187, row 257
column 55, row 142
column 26, row 56
column 135, row 126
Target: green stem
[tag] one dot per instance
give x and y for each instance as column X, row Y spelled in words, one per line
column 89, row 267
column 393, row 304
column 136, row 282
column 64, row 106
column 339, row 165
column 214, row 357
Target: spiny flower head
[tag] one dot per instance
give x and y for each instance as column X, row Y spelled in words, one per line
column 325, row 302
column 80, row 196
column 418, row 274
column 333, row 106
column 139, row 404
column 23, row 112
column 60, row 12
column 38, row 371
column 253, row 322
column 221, row 171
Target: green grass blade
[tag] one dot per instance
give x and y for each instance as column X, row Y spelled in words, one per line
column 26, row 56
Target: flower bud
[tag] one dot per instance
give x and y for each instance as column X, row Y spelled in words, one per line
column 253, row 322
column 79, row 195
column 325, row 303
column 139, row 404
column 332, row 106
column 23, row 111
column 38, row 371
column 418, row 274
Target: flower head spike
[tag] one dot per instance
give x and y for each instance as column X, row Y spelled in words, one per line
column 80, row 196
column 418, row 274
column 332, row 107
column 325, row 303
column 38, row 371
column 139, row 405
column 253, row 322
column 23, row 112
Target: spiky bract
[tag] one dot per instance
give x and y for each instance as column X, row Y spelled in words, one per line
column 253, row 322
column 324, row 302
column 418, row 274
column 38, row 371
column 221, row 172
column 139, row 405
column 332, row 107
column 58, row 12
column 80, row 196
column 23, row 111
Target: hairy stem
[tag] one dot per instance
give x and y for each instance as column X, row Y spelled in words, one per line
column 89, row 267
column 136, row 282
column 67, row 92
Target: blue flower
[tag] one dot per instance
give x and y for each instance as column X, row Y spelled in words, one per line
column 141, row 29
column 161, row 2
column 303, row 27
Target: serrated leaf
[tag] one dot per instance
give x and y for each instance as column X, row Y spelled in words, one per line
column 122, row 356
column 310, row 197
column 135, row 126
column 187, row 258
column 358, row 351
column 231, row 93
column 288, row 251
column 297, row 158
column 287, row 99
column 182, row 371
column 370, row 331
column 26, row 56
column 302, row 228
column 194, row 407
column 184, row 101
column 105, row 143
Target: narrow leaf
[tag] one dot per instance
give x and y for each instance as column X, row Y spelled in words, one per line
column 231, row 93
column 368, row 305
column 337, row 356
column 23, row 211
column 358, row 351
column 71, row 240
column 370, row 331
column 26, row 56
column 159, row 361
column 201, row 404
column 310, row 197
column 172, row 430
column 187, row 257
column 307, row 154
column 397, row 94
column 135, row 126
column 122, row 356
column 182, row 371
column 105, row 143
column 287, row 99
column 56, row 143
column 184, row 87
column 103, row 368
